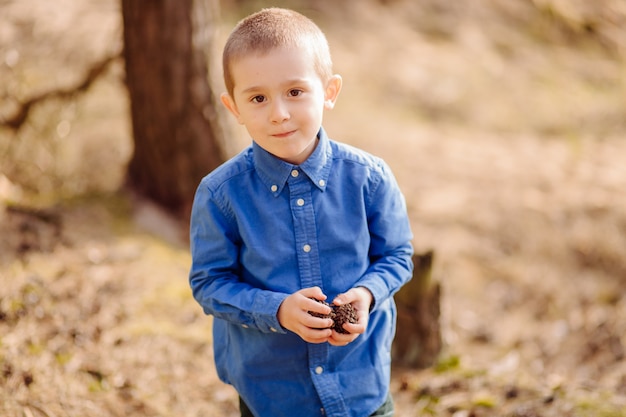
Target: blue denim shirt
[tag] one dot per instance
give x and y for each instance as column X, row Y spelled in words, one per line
column 262, row 229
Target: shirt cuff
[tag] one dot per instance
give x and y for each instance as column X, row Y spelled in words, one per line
column 266, row 311
column 374, row 284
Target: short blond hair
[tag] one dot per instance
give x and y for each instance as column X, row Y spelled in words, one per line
column 273, row 28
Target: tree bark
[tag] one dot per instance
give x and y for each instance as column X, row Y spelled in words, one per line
column 418, row 339
column 175, row 124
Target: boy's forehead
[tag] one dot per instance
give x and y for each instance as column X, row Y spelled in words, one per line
column 304, row 47
column 297, row 62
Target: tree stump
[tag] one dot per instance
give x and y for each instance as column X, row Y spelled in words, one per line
column 418, row 336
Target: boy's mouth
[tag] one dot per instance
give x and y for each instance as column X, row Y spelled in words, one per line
column 284, row 134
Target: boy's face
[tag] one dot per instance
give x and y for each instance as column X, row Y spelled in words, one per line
column 280, row 99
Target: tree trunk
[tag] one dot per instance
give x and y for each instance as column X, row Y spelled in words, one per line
column 418, row 336
column 175, row 124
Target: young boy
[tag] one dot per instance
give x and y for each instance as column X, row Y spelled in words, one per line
column 292, row 219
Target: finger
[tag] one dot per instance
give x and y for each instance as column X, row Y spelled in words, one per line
column 340, row 339
column 342, row 299
column 347, row 297
column 315, row 335
column 317, row 323
column 360, row 297
column 354, row 328
column 313, row 292
column 310, row 305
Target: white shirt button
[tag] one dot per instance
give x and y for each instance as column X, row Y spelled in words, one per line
column 273, row 330
column 245, row 326
column 295, row 173
column 306, row 248
column 321, row 183
column 319, row 370
column 274, row 188
column 300, row 202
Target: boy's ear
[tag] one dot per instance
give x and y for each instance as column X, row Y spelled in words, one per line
column 229, row 103
column 333, row 87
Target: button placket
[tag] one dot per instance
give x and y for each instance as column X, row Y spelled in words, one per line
column 305, row 232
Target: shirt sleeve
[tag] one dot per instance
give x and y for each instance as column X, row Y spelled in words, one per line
column 214, row 277
column 390, row 231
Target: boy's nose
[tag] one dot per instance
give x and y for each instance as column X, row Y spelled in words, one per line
column 279, row 112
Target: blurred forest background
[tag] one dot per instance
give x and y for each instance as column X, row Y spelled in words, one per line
column 504, row 122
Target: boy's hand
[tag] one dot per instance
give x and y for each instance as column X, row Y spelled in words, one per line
column 293, row 314
column 361, row 299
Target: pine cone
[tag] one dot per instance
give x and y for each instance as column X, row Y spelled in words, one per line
column 340, row 314
column 344, row 313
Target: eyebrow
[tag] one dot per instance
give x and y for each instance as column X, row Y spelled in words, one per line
column 256, row 88
column 251, row 90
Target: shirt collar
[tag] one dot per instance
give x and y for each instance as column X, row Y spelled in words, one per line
column 275, row 172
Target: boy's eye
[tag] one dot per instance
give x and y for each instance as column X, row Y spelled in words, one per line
column 295, row 92
column 258, row 99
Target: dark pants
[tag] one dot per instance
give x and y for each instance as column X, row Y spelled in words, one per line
column 385, row 410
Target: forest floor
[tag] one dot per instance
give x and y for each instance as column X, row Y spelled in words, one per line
column 510, row 153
